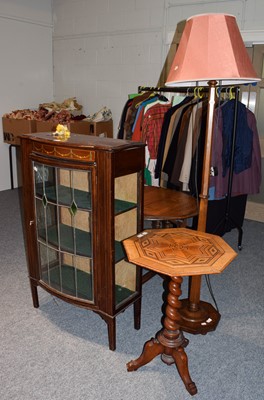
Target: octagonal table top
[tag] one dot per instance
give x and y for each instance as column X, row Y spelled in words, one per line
column 179, row 251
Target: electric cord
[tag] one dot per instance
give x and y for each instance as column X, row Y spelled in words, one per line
column 208, row 282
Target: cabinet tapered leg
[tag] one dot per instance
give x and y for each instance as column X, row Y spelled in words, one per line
column 111, row 327
column 170, row 341
column 137, row 313
column 34, row 293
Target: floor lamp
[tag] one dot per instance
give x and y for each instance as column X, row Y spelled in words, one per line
column 211, row 53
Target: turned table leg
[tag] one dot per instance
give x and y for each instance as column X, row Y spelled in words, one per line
column 170, row 341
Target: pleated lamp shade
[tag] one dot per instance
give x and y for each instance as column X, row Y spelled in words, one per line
column 211, row 48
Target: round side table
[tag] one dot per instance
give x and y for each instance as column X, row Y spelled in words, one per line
column 164, row 205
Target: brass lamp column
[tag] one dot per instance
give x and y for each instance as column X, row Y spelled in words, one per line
column 211, row 53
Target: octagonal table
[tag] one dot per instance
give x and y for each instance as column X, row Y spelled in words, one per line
column 176, row 253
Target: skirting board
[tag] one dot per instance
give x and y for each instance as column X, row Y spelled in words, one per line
column 254, row 211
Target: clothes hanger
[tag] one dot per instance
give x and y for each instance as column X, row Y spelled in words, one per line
column 231, row 94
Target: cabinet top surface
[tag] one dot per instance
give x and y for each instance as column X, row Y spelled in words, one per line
column 83, row 141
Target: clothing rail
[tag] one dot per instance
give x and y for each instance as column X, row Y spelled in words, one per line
column 186, row 89
column 233, row 92
column 167, row 89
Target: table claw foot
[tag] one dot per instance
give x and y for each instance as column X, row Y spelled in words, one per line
column 132, row 366
column 181, row 362
column 151, row 349
column 192, row 389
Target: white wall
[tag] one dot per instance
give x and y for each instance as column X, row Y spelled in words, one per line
column 26, row 77
column 104, row 49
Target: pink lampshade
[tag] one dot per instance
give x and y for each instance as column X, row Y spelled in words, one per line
column 211, row 48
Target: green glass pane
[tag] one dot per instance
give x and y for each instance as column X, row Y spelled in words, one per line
column 83, row 241
column 44, row 201
column 68, row 240
column 82, row 198
column 73, row 209
column 63, row 279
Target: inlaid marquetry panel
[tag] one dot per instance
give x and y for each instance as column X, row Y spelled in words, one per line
column 179, row 251
column 64, row 152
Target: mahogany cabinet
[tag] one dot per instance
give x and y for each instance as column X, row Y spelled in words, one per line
column 82, row 197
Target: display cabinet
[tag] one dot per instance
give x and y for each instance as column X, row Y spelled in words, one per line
column 83, row 196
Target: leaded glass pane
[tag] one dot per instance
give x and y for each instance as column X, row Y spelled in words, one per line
column 64, row 227
column 73, row 208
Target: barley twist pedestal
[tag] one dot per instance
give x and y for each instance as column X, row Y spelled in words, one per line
column 176, row 253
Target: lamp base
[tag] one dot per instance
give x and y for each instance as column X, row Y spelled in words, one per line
column 200, row 321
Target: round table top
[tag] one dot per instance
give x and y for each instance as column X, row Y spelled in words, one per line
column 179, row 251
column 167, row 204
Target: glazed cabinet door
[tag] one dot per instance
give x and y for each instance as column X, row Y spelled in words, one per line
column 63, row 204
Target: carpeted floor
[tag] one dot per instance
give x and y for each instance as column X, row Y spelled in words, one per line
column 60, row 352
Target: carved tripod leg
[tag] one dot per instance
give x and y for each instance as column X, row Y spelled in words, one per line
column 152, row 348
column 181, row 362
column 172, row 337
column 170, row 341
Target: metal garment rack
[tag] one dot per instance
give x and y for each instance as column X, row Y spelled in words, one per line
column 167, row 89
column 234, row 91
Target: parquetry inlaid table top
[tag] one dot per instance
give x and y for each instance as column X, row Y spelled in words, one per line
column 179, row 251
